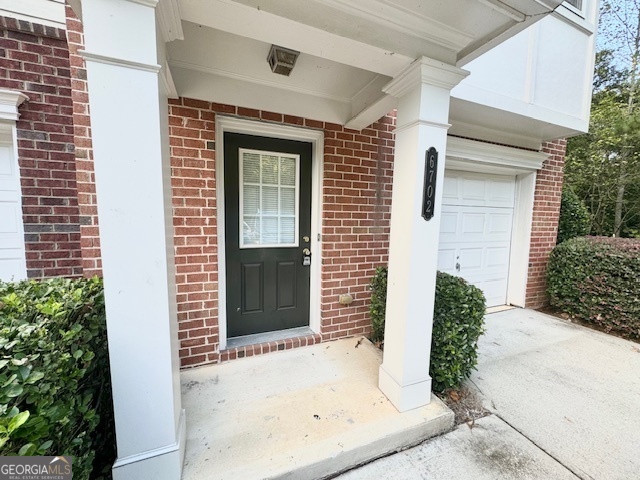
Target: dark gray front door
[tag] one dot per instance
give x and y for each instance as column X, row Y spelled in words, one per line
column 267, row 185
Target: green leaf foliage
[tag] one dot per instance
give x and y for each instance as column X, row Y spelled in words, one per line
column 55, row 392
column 574, row 217
column 458, row 322
column 597, row 280
column 378, row 306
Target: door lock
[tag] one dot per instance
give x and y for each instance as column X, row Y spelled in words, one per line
column 306, row 257
column 305, row 239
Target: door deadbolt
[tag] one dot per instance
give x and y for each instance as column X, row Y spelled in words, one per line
column 306, row 257
column 305, row 239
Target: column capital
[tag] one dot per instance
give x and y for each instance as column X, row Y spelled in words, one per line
column 10, row 100
column 146, row 3
column 425, row 71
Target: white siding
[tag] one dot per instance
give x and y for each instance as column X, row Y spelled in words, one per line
column 543, row 73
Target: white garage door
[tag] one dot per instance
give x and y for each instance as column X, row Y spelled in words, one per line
column 475, row 230
column 12, row 257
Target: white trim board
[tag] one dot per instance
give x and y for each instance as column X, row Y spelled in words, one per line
column 226, row 124
column 484, row 156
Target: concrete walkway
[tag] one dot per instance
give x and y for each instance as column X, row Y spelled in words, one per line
column 565, row 402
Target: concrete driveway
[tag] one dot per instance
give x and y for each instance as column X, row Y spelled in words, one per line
column 565, row 402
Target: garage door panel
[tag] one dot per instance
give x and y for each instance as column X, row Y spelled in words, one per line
column 448, row 222
column 450, row 189
column 499, row 224
column 473, row 223
column 497, row 257
column 476, row 226
column 447, row 260
column 501, row 193
column 473, row 190
column 12, row 255
column 476, row 189
column 10, row 267
column 470, row 258
column 494, row 291
column 8, row 218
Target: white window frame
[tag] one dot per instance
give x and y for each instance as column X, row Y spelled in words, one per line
column 296, row 242
column 578, row 10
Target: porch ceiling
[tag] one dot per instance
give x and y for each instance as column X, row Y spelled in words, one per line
column 349, row 49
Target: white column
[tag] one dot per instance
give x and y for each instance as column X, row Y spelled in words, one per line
column 423, row 92
column 130, row 145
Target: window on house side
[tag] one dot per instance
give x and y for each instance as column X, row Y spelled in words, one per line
column 575, row 3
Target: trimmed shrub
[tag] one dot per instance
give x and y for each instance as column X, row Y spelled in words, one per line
column 378, row 306
column 574, row 217
column 458, row 320
column 597, row 280
column 55, row 392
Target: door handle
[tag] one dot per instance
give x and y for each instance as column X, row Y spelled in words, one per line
column 457, row 267
column 306, row 251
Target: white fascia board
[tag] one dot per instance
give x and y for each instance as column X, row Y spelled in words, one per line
column 462, row 150
column 266, row 27
column 541, row 8
column 421, row 26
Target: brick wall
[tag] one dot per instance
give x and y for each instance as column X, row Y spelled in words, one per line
column 355, row 224
column 544, row 230
column 87, row 200
column 35, row 60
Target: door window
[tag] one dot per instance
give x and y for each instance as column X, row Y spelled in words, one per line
column 268, row 199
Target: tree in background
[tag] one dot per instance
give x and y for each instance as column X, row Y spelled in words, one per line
column 603, row 166
column 574, row 216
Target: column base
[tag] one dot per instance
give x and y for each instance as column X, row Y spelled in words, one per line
column 161, row 464
column 405, row 397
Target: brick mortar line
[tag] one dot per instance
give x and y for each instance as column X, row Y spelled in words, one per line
column 32, row 28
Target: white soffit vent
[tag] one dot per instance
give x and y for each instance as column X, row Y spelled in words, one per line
column 282, row 60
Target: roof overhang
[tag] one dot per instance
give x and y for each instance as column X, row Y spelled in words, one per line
column 368, row 42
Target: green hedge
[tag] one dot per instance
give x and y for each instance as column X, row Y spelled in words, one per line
column 378, row 306
column 597, row 280
column 574, row 217
column 55, row 393
column 458, row 320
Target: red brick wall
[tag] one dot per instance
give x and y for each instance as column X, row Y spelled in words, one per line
column 35, row 60
column 355, row 224
column 87, row 201
column 544, row 230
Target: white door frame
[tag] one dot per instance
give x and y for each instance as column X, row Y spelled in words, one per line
column 473, row 156
column 225, row 124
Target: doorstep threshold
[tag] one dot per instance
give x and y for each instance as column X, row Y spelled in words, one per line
column 499, row 308
column 266, row 337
